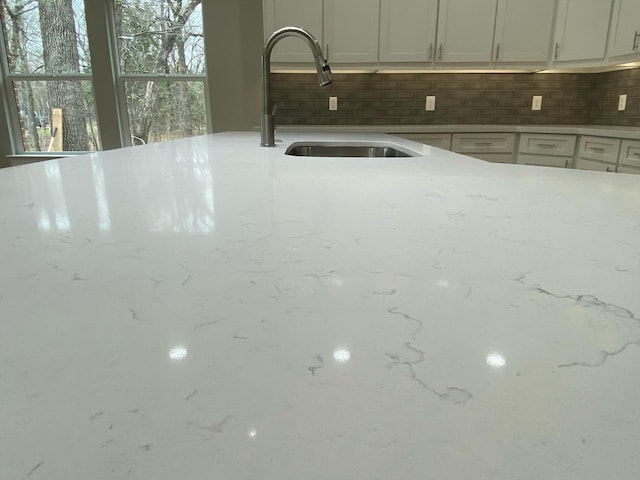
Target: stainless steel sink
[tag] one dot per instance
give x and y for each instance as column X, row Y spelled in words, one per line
column 337, row 149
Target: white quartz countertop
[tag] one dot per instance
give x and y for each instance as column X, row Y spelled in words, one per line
column 210, row 309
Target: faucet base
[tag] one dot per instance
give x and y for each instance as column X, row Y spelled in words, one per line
column 267, row 134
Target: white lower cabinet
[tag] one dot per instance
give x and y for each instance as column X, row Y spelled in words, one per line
column 583, row 152
column 439, row 140
column 629, row 159
column 546, row 150
column 598, row 153
column 492, row 147
column 583, row 164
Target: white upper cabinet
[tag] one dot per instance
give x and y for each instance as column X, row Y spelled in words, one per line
column 624, row 36
column 293, row 13
column 523, row 31
column 581, row 29
column 351, row 31
column 465, row 31
column 408, row 30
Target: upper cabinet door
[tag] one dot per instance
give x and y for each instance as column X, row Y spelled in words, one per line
column 581, row 29
column 624, row 36
column 408, row 30
column 523, row 30
column 465, row 31
column 351, row 31
column 293, row 13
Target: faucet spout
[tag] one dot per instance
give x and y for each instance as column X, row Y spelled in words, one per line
column 267, row 124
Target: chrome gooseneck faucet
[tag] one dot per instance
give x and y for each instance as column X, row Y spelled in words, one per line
column 267, row 124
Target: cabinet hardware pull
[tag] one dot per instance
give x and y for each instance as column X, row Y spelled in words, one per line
column 566, row 164
column 326, row 53
column 430, row 55
column 636, row 154
column 608, row 169
column 555, row 56
column 440, row 52
column 636, row 36
column 597, row 149
column 546, row 145
column 484, row 144
column 498, row 52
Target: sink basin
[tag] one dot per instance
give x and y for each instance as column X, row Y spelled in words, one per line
column 338, row 149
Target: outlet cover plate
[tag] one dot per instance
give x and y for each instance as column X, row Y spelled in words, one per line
column 536, row 102
column 333, row 103
column 430, row 103
column 622, row 102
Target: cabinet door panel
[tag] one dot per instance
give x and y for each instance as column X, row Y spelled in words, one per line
column 297, row 13
column 465, row 30
column 625, row 28
column 523, row 30
column 351, row 30
column 581, row 29
column 408, row 30
column 582, row 164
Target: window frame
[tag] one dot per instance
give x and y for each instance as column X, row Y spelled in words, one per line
column 11, row 103
column 121, row 77
column 107, row 79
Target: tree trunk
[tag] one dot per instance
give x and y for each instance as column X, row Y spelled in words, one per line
column 60, row 52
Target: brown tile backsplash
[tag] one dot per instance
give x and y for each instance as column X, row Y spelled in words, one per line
column 478, row 98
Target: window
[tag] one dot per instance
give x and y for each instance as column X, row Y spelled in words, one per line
column 161, row 67
column 48, row 75
column 154, row 52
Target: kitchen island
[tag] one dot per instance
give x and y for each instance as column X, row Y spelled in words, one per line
column 207, row 308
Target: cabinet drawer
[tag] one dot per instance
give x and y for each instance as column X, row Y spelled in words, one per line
column 599, row 148
column 544, row 160
column 583, row 164
column 483, row 142
column 561, row 145
column 630, row 153
column 440, row 140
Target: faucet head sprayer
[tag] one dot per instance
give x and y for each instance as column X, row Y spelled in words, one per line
column 324, row 74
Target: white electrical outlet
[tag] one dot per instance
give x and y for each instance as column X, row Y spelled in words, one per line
column 536, row 103
column 622, row 102
column 333, row 103
column 430, row 103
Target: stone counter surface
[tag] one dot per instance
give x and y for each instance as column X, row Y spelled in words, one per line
column 207, row 308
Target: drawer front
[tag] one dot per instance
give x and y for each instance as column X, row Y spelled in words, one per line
column 630, row 153
column 561, row 145
column 627, row 169
column 439, row 140
column 483, row 142
column 599, row 148
column 544, row 160
column 583, row 164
